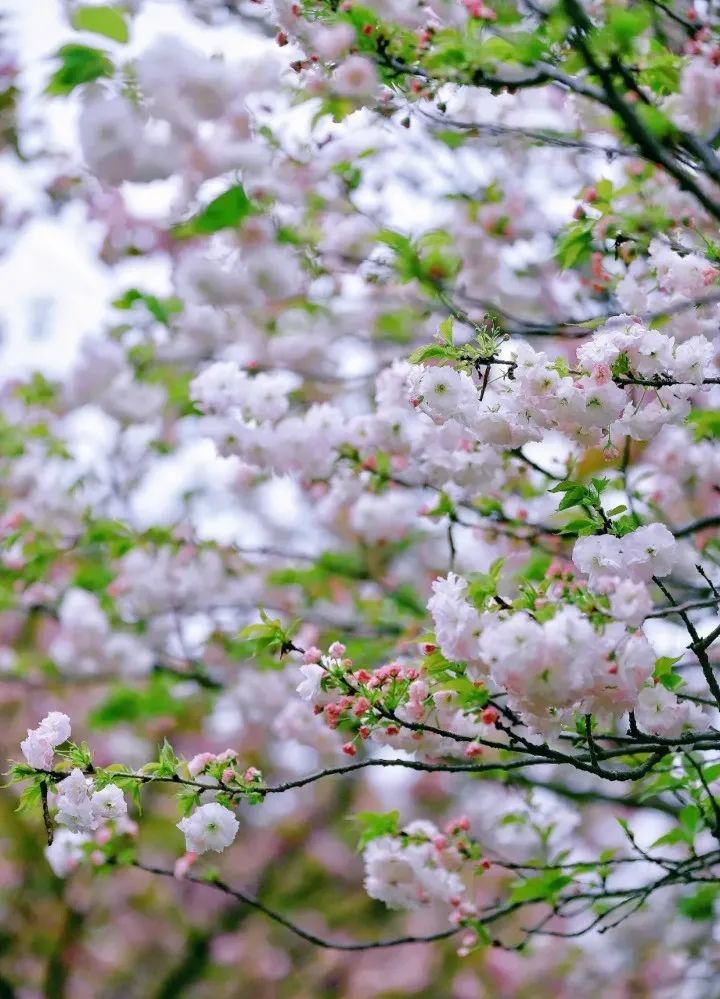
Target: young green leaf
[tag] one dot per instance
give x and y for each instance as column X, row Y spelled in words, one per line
column 107, row 21
column 78, row 64
column 224, row 212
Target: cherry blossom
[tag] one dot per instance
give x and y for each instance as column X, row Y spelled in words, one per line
column 210, row 827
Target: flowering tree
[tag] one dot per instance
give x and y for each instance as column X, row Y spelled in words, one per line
column 402, row 478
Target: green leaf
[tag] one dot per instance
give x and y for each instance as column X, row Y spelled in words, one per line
column 108, row 21
column 269, row 636
column 487, row 505
column 376, row 824
column 573, row 497
column 167, row 763
column 399, row 326
column 614, row 511
column 136, row 704
column 604, row 189
column 188, row 800
column 670, row 838
column 93, row 576
column 672, row 681
column 711, row 773
column 561, row 366
column 575, row 244
column 395, row 240
column 625, row 26
column 350, row 564
column 78, row 754
column 78, row 64
column 452, row 139
column 664, row 664
column 30, row 798
column 429, row 352
column 543, row 887
column 160, row 309
column 662, row 70
column 690, row 818
column 224, row 212
column 657, row 123
column 19, row 772
column 621, row 365
column 705, row 422
column 351, row 174
column 446, row 330
column 664, row 672
column 536, row 567
column 700, row 905
column 37, row 391
column 625, row 525
column 407, row 599
column 443, row 508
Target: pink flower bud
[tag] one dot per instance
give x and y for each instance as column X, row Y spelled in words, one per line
column 183, row 865
column 418, row 691
column 460, row 824
column 198, row 763
column 361, row 706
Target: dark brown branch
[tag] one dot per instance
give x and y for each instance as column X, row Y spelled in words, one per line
column 307, row 935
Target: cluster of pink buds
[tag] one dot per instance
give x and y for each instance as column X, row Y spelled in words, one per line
column 386, row 674
column 358, row 703
column 560, row 572
column 462, row 911
column 332, row 713
column 104, row 836
column 201, row 761
column 453, row 846
column 467, row 942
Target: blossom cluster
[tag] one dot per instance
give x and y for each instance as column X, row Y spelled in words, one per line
column 82, row 809
column 41, row 743
column 418, row 867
